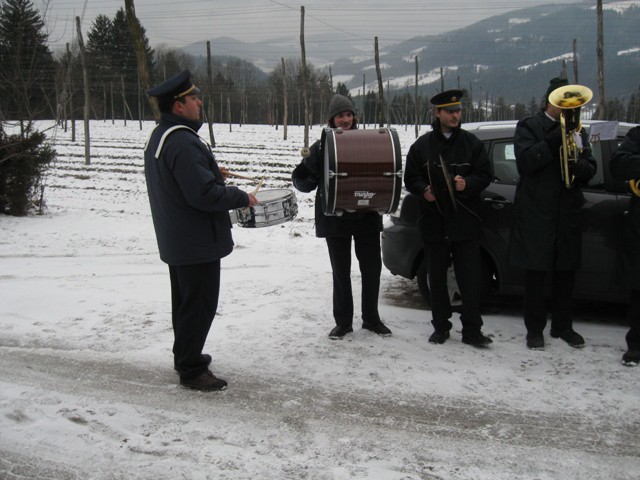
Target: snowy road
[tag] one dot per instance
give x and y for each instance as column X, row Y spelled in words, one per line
column 87, row 390
column 321, row 427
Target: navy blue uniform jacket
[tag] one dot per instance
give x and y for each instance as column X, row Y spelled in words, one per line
column 189, row 200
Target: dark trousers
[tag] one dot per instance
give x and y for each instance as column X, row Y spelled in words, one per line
column 466, row 264
column 633, row 317
column 535, row 310
column 194, row 301
column 367, row 247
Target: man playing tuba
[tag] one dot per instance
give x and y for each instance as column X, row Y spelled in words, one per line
column 546, row 234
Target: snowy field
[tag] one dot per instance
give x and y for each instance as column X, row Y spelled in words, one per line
column 87, row 388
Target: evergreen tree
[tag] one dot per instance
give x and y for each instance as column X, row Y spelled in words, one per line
column 27, row 86
column 101, row 50
column 633, row 108
column 28, row 70
column 342, row 89
column 124, row 59
column 520, row 111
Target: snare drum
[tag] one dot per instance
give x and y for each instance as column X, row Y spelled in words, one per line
column 362, row 171
column 276, row 206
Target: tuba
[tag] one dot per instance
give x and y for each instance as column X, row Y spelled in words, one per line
column 634, row 187
column 569, row 99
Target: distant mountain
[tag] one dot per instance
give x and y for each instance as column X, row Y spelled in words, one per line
column 511, row 55
column 266, row 55
column 515, row 54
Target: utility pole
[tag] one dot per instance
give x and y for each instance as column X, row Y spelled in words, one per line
column 575, row 62
column 381, row 111
column 305, row 94
column 601, row 114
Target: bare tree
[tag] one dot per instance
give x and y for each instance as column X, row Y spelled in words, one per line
column 87, row 95
column 601, row 111
column 285, row 100
column 304, row 80
column 143, row 61
column 381, row 105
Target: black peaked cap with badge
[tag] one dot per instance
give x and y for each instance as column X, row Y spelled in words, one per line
column 176, row 87
column 448, row 100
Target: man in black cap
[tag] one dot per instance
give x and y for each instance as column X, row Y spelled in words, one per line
column 190, row 206
column 546, row 234
column 447, row 169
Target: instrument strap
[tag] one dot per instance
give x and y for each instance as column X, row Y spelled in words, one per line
column 169, row 132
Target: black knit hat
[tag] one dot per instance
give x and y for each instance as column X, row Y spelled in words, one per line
column 554, row 83
column 340, row 103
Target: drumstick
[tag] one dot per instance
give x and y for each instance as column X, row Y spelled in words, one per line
column 237, row 175
column 258, row 187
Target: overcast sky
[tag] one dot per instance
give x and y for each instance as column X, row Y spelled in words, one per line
column 180, row 22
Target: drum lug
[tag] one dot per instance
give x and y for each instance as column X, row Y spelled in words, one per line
column 391, row 174
column 341, row 174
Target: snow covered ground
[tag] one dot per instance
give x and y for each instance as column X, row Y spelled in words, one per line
column 87, row 389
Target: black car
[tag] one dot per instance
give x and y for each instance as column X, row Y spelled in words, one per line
column 605, row 205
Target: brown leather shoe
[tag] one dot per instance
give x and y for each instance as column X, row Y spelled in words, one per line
column 206, row 382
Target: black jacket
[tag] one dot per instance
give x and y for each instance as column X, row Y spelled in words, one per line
column 189, row 200
column 464, row 155
column 547, row 232
column 625, row 165
column 306, row 177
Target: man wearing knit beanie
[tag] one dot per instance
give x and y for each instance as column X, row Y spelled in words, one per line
column 554, row 83
column 339, row 103
column 362, row 228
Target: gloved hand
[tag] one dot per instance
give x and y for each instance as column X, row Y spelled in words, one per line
column 311, row 165
column 581, row 170
column 553, row 137
column 301, row 171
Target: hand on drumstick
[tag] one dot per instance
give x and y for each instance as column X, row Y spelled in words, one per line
column 225, row 172
column 258, row 187
column 252, row 196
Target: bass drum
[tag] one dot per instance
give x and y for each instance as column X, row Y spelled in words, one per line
column 362, row 171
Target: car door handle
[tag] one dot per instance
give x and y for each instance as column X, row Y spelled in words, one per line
column 497, row 202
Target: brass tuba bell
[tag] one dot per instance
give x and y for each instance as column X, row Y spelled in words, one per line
column 569, row 99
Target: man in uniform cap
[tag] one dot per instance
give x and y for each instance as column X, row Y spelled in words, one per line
column 546, row 234
column 447, row 169
column 449, row 100
column 178, row 86
column 190, row 206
